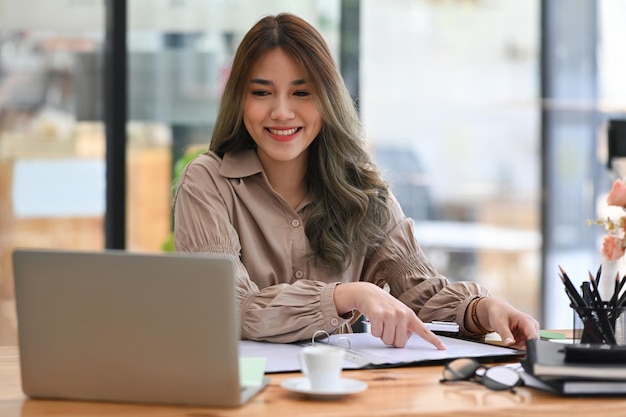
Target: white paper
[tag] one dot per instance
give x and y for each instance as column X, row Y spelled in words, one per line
column 365, row 349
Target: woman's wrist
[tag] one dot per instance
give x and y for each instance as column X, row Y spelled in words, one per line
column 347, row 296
column 343, row 299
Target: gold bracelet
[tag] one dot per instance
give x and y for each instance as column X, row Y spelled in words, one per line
column 475, row 319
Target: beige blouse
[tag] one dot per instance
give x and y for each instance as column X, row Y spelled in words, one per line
column 227, row 206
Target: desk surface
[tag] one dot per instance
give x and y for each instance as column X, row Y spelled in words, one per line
column 392, row 392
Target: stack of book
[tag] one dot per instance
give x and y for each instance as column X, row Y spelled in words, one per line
column 576, row 369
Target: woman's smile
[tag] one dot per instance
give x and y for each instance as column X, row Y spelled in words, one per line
column 282, row 134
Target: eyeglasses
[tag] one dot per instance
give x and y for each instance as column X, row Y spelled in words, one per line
column 497, row 378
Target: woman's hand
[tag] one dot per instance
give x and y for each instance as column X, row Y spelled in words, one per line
column 389, row 318
column 513, row 326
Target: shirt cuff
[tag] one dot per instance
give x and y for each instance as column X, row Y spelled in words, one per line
column 332, row 320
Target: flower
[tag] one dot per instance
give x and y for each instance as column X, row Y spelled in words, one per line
column 617, row 195
column 612, row 248
column 614, row 243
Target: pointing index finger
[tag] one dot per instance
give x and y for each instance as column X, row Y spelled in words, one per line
column 421, row 330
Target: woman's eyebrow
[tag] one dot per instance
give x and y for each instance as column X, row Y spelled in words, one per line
column 263, row 81
column 260, row 81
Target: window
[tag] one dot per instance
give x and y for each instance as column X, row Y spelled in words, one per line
column 449, row 101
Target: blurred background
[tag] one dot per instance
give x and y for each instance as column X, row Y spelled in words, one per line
column 488, row 117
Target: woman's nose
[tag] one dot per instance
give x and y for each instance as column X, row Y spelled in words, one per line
column 282, row 109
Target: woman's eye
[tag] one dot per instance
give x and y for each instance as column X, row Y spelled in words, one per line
column 302, row 93
column 260, row 93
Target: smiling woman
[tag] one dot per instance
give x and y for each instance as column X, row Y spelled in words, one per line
column 289, row 191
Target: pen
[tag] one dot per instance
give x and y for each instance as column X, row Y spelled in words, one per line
column 586, row 291
column 576, row 299
column 596, row 293
column 622, row 298
column 436, row 326
column 442, row 326
column 605, row 326
column 619, row 299
column 582, row 309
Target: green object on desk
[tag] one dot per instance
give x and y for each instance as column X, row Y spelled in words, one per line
column 544, row 334
column 251, row 371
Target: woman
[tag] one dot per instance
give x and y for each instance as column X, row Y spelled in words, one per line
column 289, row 191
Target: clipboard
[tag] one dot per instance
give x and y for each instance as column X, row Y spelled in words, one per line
column 364, row 351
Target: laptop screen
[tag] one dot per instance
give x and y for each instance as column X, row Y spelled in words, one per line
column 121, row 326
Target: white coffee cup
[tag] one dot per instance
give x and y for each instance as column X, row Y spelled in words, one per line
column 322, row 364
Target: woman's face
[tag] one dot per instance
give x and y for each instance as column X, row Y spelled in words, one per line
column 279, row 111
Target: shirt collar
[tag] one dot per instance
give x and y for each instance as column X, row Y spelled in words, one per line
column 241, row 164
column 245, row 163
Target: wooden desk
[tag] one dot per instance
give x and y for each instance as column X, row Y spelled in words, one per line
column 392, row 392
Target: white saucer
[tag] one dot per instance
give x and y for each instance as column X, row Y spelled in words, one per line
column 302, row 386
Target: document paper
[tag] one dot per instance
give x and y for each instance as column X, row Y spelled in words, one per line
column 365, row 350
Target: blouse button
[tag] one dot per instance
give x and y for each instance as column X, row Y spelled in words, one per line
column 299, row 274
column 295, row 223
column 334, row 321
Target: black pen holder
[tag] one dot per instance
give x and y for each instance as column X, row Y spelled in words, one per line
column 599, row 324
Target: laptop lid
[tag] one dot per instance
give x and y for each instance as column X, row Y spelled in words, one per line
column 128, row 327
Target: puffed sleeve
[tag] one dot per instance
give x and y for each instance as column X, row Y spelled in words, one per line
column 400, row 263
column 201, row 220
column 283, row 312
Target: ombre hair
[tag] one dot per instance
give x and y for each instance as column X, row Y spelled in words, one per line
column 349, row 209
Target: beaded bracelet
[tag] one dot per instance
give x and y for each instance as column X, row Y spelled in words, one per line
column 475, row 319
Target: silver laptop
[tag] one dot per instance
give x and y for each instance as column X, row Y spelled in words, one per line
column 127, row 327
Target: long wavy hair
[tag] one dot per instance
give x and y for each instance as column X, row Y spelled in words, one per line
column 349, row 211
